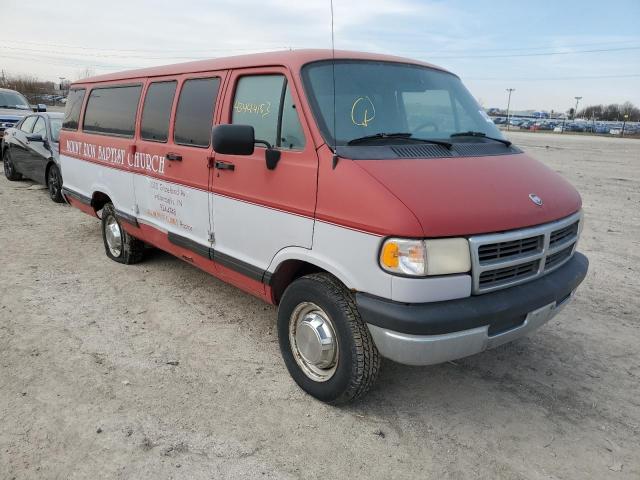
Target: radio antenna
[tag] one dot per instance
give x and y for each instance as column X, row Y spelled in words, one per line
column 333, row 71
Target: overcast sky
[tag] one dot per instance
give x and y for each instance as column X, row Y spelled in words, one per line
column 548, row 52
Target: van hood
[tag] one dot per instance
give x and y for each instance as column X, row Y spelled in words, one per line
column 472, row 195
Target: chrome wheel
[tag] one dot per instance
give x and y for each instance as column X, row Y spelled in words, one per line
column 313, row 341
column 113, row 235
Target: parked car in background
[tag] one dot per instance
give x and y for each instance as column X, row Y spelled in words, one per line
column 31, row 149
column 13, row 107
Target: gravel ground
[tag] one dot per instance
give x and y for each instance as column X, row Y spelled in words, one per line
column 158, row 370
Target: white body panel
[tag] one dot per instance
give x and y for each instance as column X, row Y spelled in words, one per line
column 254, row 233
column 86, row 177
column 260, row 236
column 352, row 256
column 172, row 207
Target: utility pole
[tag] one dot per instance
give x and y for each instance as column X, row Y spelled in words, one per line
column 509, row 105
column 575, row 112
column 62, row 86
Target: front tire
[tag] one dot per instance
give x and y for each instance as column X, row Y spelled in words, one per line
column 118, row 244
column 54, row 184
column 324, row 342
column 9, row 169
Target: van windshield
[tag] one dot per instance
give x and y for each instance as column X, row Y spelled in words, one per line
column 391, row 101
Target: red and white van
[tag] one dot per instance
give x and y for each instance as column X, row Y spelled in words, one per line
column 368, row 196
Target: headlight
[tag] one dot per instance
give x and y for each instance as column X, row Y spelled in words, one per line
column 420, row 258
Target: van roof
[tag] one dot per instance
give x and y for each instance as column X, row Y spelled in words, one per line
column 294, row 59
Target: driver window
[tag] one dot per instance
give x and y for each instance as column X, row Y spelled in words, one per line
column 40, row 128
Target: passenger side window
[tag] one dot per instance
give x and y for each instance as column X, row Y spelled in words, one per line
column 257, row 102
column 27, row 125
column 156, row 111
column 72, row 110
column 291, row 135
column 112, row 110
column 261, row 100
column 40, row 127
column 194, row 116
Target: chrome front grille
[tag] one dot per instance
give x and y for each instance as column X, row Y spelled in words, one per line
column 505, row 259
column 504, row 250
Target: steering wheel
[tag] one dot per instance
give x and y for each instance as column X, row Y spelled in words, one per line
column 428, row 123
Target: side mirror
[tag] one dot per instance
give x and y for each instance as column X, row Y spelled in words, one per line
column 272, row 156
column 35, row 137
column 42, row 107
column 233, row 139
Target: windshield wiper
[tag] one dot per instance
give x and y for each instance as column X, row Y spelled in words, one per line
column 376, row 136
column 482, row 135
column 401, row 135
column 12, row 107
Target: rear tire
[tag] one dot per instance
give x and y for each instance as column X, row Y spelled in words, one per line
column 118, row 244
column 54, row 184
column 9, row 169
column 324, row 342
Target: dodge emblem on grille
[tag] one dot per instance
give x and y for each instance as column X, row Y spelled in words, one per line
column 535, row 199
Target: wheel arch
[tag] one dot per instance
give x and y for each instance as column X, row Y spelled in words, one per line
column 99, row 199
column 291, row 265
column 50, row 163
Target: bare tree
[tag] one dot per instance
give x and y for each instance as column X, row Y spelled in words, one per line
column 31, row 87
column 85, row 73
column 612, row 111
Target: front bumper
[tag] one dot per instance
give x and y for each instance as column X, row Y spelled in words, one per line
column 429, row 333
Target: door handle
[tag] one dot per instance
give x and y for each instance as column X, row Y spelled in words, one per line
column 174, row 157
column 225, row 166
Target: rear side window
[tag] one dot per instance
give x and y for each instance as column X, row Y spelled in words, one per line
column 27, row 125
column 112, row 111
column 194, row 116
column 72, row 112
column 156, row 111
column 265, row 103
